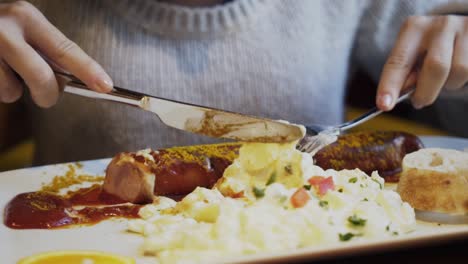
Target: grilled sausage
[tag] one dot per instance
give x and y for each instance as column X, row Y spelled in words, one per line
column 135, row 177
column 381, row 151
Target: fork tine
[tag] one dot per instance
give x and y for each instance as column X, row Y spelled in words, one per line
column 319, row 136
column 312, row 144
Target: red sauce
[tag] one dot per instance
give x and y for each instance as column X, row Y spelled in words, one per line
column 93, row 215
column 93, row 195
column 37, row 210
column 43, row 210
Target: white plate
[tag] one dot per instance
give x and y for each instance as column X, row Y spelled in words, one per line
column 110, row 236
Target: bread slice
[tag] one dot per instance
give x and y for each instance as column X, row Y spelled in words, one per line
column 436, row 180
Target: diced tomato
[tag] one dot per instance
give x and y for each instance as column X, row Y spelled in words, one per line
column 300, row 198
column 322, row 184
column 315, row 180
column 326, row 185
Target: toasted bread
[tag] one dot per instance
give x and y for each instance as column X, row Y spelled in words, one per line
column 435, row 180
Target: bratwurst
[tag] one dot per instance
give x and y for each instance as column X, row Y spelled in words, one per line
column 136, row 176
column 381, row 151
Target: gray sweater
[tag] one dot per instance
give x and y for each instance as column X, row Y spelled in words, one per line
column 273, row 58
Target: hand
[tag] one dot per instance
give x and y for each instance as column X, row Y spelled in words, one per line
column 431, row 51
column 26, row 39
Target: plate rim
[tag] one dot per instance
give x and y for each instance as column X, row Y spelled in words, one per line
column 353, row 248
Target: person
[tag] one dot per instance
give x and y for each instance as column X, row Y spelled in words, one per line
column 278, row 59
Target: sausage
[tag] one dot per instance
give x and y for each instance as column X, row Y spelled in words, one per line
column 381, row 151
column 129, row 177
column 135, row 177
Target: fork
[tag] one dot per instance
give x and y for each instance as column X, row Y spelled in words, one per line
column 318, row 136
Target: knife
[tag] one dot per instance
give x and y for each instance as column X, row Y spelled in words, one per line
column 194, row 118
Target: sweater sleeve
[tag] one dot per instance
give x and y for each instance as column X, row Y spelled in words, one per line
column 381, row 23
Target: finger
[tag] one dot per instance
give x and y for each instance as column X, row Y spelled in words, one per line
column 458, row 75
column 35, row 72
column 400, row 63
column 411, row 80
column 10, row 87
column 66, row 54
column 436, row 65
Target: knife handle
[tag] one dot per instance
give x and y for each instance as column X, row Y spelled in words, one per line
column 114, row 96
column 72, row 85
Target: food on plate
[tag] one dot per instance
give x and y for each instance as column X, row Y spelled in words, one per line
column 139, row 177
column 436, row 180
column 369, row 151
column 135, row 177
column 76, row 257
column 271, row 198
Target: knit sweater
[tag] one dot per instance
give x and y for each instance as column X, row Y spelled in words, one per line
column 271, row 58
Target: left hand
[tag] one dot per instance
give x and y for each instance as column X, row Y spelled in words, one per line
column 431, row 51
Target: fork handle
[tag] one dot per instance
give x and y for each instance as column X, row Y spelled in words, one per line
column 371, row 113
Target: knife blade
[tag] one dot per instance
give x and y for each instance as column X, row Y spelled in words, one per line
column 194, row 118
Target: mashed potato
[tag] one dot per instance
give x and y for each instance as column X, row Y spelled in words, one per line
column 272, row 198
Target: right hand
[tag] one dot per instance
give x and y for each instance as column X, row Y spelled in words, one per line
column 26, row 38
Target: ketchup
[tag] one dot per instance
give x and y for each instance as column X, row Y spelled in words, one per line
column 43, row 210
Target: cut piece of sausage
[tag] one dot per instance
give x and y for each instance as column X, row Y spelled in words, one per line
column 129, row 179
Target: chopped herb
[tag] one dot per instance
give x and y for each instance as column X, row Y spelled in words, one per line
column 259, row 193
column 272, row 178
column 353, row 180
column 365, row 200
column 288, row 169
column 340, row 190
column 378, row 183
column 387, row 228
column 345, row 237
column 307, row 187
column 356, row 221
column 395, row 233
column 323, row 204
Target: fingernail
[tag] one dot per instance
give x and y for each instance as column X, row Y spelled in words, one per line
column 386, row 100
column 417, row 106
column 104, row 84
column 8, row 98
